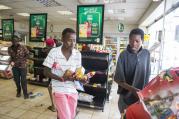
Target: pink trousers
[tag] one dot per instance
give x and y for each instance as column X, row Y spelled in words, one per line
column 66, row 105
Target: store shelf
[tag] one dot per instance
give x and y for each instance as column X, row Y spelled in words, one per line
column 1, row 34
column 38, row 59
column 93, row 61
column 5, row 71
column 98, row 103
column 111, row 44
column 35, row 82
column 123, row 43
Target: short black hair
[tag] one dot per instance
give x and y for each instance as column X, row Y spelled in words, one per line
column 137, row 31
column 67, row 30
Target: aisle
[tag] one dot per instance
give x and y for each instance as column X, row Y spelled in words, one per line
column 18, row 108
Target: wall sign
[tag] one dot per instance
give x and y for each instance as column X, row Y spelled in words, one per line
column 120, row 27
column 146, row 37
column 38, row 27
column 90, row 24
column 7, row 29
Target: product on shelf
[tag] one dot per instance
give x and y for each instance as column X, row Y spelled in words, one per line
column 85, row 97
column 5, row 68
column 112, row 44
column 5, row 71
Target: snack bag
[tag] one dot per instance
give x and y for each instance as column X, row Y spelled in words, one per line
column 68, row 73
column 79, row 74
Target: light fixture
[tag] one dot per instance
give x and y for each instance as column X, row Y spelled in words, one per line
column 88, row 1
column 73, row 19
column 65, row 12
column 120, row 18
column 106, row 1
column 156, row 0
column 110, row 11
column 3, row 7
column 24, row 14
column 114, row 1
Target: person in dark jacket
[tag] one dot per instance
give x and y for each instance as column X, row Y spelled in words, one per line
column 19, row 55
column 133, row 70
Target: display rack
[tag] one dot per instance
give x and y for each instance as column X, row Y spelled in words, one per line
column 123, row 43
column 5, row 70
column 112, row 44
column 1, row 34
column 98, row 85
column 38, row 59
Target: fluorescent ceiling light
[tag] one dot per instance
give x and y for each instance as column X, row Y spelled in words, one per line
column 114, row 1
column 120, row 18
column 156, row 0
column 65, row 12
column 73, row 19
column 24, row 14
column 88, row 1
column 3, row 7
column 106, row 1
column 110, row 11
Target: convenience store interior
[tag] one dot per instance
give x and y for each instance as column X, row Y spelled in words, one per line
column 158, row 18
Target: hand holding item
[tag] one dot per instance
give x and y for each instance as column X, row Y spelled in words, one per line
column 80, row 76
column 79, row 73
column 68, row 75
column 84, row 79
column 134, row 91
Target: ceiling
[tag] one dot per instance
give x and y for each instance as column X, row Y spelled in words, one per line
column 126, row 11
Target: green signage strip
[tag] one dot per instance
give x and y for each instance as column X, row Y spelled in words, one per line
column 90, row 24
column 7, row 29
column 38, row 27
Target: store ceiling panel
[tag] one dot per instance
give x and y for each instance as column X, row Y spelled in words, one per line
column 127, row 11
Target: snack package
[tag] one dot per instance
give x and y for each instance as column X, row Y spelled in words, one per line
column 160, row 98
column 79, row 85
column 68, row 73
column 79, row 74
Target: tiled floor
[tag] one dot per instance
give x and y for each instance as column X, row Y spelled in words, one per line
column 18, row 108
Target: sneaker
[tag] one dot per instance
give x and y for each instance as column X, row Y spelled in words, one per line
column 52, row 108
column 26, row 96
column 18, row 95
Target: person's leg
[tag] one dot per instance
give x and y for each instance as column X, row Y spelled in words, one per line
column 122, row 105
column 63, row 111
column 52, row 107
column 23, row 75
column 16, row 75
column 72, row 102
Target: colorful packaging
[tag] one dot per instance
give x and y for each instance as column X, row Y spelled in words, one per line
column 160, row 98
